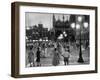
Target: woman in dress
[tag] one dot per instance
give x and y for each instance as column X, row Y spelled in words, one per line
column 38, row 57
column 56, row 58
column 31, row 57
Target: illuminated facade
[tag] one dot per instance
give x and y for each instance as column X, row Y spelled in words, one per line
column 61, row 26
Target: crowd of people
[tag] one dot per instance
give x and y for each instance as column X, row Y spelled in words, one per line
column 39, row 50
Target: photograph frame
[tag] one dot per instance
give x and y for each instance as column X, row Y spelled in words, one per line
column 15, row 39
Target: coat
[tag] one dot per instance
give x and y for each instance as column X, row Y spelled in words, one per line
column 56, row 58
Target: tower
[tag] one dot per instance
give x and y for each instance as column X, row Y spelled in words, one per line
column 54, row 20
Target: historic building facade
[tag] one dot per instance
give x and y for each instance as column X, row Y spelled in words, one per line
column 62, row 26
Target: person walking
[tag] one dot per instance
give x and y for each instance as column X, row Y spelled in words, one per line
column 56, row 58
column 66, row 57
column 38, row 57
column 31, row 57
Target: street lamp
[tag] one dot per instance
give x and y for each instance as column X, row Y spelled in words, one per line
column 79, row 19
column 86, row 24
column 73, row 25
column 79, row 26
column 80, row 52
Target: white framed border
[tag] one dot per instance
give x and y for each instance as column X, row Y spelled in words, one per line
column 72, row 68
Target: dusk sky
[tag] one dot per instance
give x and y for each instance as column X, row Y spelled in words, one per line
column 44, row 18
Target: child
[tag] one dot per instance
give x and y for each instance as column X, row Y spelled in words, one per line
column 66, row 56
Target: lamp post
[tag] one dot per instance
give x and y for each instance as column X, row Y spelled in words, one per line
column 80, row 59
column 80, row 19
column 79, row 26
